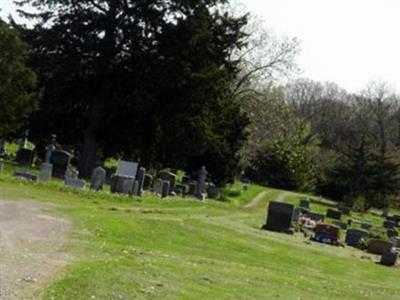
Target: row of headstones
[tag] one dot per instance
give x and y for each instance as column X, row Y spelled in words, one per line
column 280, row 218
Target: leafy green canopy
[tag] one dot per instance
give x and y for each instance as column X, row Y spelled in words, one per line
column 17, row 82
column 148, row 79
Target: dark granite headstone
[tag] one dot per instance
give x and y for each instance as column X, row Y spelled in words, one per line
column 121, row 184
column 391, row 232
column 60, row 161
column 25, row 175
column 317, row 217
column 279, row 217
column 326, row 233
column 140, row 181
column 333, row 214
column 379, row 246
column 171, row 178
column 389, row 258
column 165, row 191
column 25, row 157
column 305, row 203
column 354, row 236
column 148, row 180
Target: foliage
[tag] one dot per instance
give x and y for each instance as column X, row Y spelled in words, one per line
column 18, row 97
column 144, row 79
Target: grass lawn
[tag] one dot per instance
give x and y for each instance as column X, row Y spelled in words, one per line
column 148, row 248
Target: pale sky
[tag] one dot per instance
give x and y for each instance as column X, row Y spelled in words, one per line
column 350, row 42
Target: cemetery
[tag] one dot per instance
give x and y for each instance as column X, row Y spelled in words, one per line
column 132, row 193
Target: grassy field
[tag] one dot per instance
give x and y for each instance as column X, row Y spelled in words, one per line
column 148, row 248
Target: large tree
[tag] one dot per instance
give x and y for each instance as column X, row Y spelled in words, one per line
column 18, row 97
column 147, row 78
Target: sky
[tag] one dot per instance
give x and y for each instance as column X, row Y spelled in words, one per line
column 350, row 42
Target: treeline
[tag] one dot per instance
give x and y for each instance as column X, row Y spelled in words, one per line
column 322, row 139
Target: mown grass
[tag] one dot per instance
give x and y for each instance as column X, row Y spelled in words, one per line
column 148, row 248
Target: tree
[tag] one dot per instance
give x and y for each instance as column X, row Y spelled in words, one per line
column 18, row 97
column 146, row 79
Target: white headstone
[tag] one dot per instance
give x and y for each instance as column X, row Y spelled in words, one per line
column 127, row 168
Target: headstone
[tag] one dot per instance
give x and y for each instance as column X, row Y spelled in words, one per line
column 61, row 162
column 366, row 226
column 305, row 203
column 389, row 224
column 296, row 215
column 148, row 180
column 46, row 172
column 192, row 188
column 391, row 232
column 326, row 233
column 74, row 183
column 354, row 237
column 333, row 214
column 135, row 190
column 1, row 166
column 201, row 184
column 157, row 186
column 345, row 210
column 279, row 217
column 181, row 189
column 121, row 184
column 127, row 169
column 171, row 178
column 340, row 224
column 140, row 181
column 317, row 217
column 98, row 179
column 165, row 192
column 25, row 175
column 213, row 192
column 389, row 258
column 25, row 157
column 50, row 149
column 379, row 246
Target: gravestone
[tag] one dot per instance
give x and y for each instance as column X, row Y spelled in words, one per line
column 296, row 215
column 391, row 232
column 127, row 169
column 354, row 237
column 74, row 183
column 379, row 246
column 171, row 178
column 279, row 217
column 304, row 203
column 135, row 189
column 389, row 258
column 317, row 217
column 46, row 172
column 25, row 157
column 326, row 234
column 165, row 190
column 61, row 162
column 1, row 166
column 181, row 189
column 389, row 224
column 157, row 186
column 345, row 210
column 213, row 192
column 192, row 188
column 121, row 184
column 366, row 226
column 98, row 179
column 333, row 214
column 201, row 184
column 140, row 181
column 340, row 224
column 148, row 180
column 25, row 175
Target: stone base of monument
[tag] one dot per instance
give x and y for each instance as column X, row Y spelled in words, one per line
column 25, row 175
column 277, row 229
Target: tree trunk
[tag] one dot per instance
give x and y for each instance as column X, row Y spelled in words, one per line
column 88, row 157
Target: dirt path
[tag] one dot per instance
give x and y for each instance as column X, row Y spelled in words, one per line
column 32, row 248
column 256, row 200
